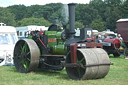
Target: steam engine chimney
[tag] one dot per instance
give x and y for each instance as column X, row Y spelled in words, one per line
column 71, row 20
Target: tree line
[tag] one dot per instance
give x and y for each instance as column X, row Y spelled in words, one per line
column 98, row 14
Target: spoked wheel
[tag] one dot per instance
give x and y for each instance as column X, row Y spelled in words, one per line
column 76, row 73
column 26, row 55
column 94, row 63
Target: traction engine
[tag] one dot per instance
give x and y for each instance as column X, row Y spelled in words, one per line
column 111, row 46
column 55, row 49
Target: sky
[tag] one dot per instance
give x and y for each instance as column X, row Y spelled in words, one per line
column 5, row 3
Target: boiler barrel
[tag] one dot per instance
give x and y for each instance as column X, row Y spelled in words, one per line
column 96, row 63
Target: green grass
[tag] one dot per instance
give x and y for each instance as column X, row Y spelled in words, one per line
column 118, row 75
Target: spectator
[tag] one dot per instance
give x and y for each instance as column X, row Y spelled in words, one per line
column 99, row 39
column 120, row 38
column 123, row 45
column 106, row 35
column 93, row 37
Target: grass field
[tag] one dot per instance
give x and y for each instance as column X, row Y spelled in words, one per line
column 118, row 75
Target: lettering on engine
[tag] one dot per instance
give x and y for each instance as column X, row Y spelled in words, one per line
column 51, row 40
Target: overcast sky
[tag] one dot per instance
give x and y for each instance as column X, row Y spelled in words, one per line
column 5, row 3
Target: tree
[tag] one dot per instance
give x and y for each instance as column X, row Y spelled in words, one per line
column 32, row 9
column 113, row 2
column 33, row 21
column 108, row 10
column 7, row 17
column 86, row 14
column 19, row 11
column 49, row 12
column 112, row 14
column 79, row 25
column 124, row 9
column 98, row 24
column 98, row 5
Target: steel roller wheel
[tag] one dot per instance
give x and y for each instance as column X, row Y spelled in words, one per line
column 76, row 73
column 94, row 64
column 26, row 55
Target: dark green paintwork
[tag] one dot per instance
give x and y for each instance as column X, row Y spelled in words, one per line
column 58, row 47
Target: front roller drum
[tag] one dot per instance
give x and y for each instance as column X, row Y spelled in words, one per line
column 94, row 63
column 26, row 55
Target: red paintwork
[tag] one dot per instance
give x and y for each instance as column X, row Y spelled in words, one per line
column 93, row 45
column 115, row 42
column 41, row 42
column 93, row 38
column 73, row 48
column 89, row 38
column 31, row 32
column 41, row 32
column 51, row 40
column 112, row 40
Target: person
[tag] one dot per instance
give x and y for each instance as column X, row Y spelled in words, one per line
column 124, row 46
column 93, row 37
column 120, row 38
column 99, row 39
column 106, row 35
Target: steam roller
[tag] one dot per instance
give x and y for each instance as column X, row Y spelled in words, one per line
column 56, row 49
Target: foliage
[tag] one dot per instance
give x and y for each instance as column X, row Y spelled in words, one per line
column 79, row 25
column 19, row 11
column 86, row 14
column 33, row 21
column 7, row 17
column 98, row 24
column 31, row 10
column 111, row 16
column 124, row 9
column 108, row 11
column 50, row 12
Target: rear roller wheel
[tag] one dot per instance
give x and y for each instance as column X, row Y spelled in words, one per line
column 26, row 55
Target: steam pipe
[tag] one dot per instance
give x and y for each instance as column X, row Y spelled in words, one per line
column 71, row 20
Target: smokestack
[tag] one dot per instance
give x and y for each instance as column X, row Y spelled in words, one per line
column 71, row 20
